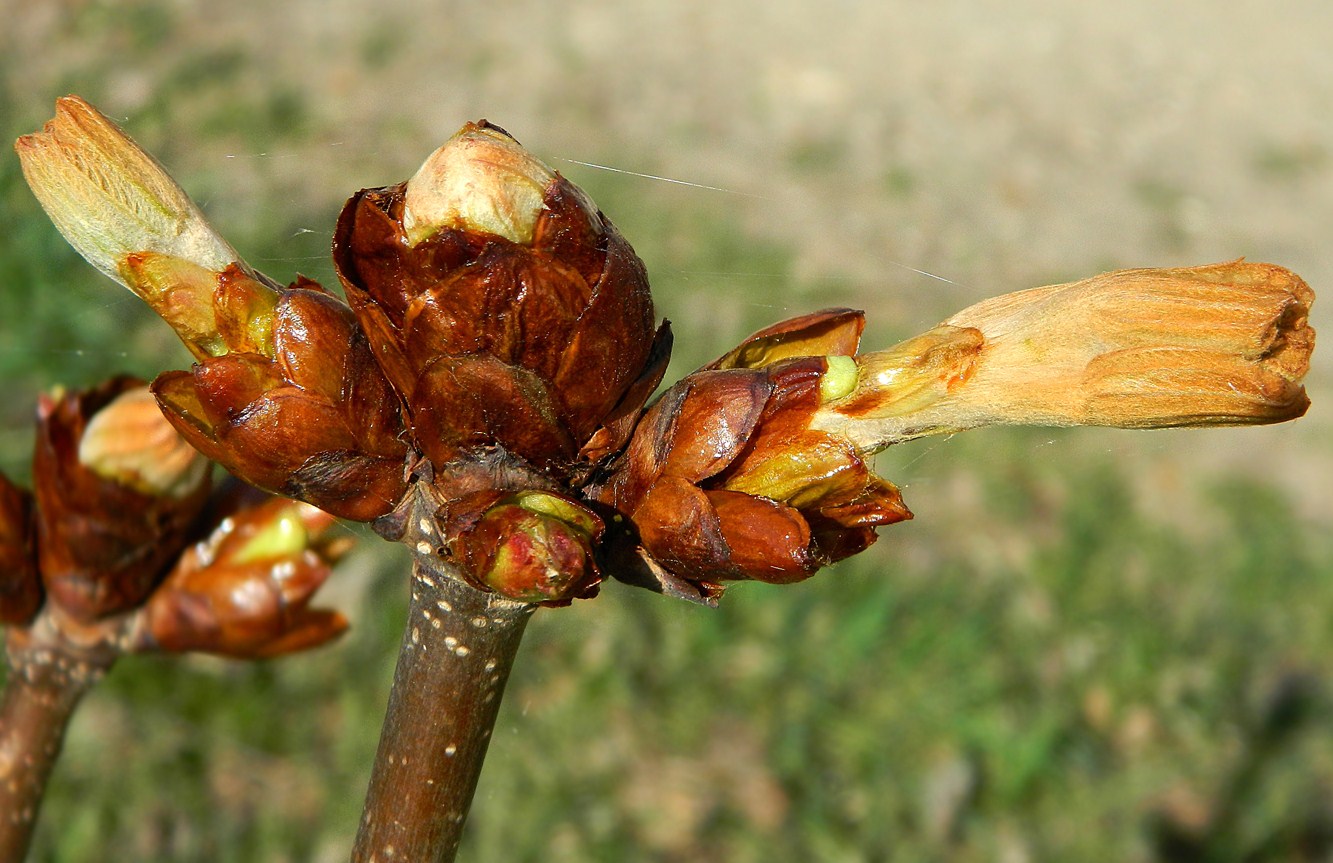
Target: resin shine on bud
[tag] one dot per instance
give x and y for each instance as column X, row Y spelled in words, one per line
column 528, row 546
column 505, row 309
column 245, row 591
column 541, row 549
column 725, row 479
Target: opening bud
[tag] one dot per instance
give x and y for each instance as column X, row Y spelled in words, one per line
column 129, row 442
column 246, row 590
column 117, row 493
column 724, row 478
column 109, row 197
column 1223, row 344
column 507, row 312
column 482, row 180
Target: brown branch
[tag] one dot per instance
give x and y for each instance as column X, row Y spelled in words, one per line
column 47, row 678
column 454, row 662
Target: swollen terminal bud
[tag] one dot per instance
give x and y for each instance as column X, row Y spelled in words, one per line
column 480, row 180
column 517, row 325
column 508, row 312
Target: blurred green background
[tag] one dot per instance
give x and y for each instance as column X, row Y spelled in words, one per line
column 1089, row 645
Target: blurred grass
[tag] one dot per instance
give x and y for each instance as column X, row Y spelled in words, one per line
column 1069, row 696
column 1048, row 665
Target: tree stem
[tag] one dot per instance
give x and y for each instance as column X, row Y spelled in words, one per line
column 456, row 653
column 46, row 682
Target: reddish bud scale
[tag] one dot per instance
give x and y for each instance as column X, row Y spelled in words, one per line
column 724, row 480
column 102, row 546
column 517, row 325
column 298, row 406
column 547, row 350
column 244, row 593
column 107, row 539
column 20, row 587
column 526, row 546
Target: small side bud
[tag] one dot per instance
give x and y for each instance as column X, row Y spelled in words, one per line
column 838, row 379
column 528, row 546
column 536, row 559
column 245, row 591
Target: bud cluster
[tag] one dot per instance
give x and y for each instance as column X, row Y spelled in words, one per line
column 126, row 542
column 730, row 452
column 483, row 393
